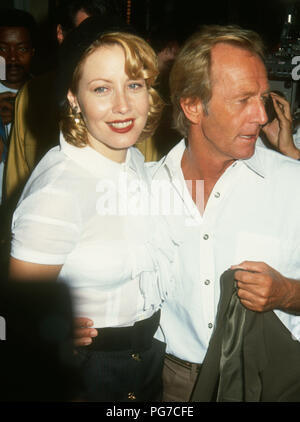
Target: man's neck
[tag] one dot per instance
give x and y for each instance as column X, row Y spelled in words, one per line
column 199, row 163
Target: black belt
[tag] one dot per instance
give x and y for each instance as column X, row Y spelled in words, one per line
column 136, row 338
column 184, row 363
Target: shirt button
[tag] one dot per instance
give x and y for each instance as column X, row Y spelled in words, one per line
column 217, row 195
column 205, row 237
column 210, row 325
column 207, row 282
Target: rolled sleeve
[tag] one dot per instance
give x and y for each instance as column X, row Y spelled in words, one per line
column 45, row 228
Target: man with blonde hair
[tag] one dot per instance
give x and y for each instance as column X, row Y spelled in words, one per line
column 241, row 200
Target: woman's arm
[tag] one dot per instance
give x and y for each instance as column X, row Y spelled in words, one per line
column 27, row 271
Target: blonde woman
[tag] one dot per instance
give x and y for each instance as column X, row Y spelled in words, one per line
column 73, row 223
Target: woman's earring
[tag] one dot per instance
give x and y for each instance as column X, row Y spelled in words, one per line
column 76, row 115
column 77, row 120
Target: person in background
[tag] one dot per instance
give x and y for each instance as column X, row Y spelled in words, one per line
column 279, row 133
column 36, row 127
column 17, row 37
column 116, row 261
column 2, row 137
column 166, row 45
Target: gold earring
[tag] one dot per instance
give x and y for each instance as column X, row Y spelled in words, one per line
column 76, row 114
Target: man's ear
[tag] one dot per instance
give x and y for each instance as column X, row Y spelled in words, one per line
column 73, row 101
column 193, row 109
column 59, row 34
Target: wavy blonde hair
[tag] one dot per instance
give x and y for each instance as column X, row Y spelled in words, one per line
column 190, row 74
column 140, row 63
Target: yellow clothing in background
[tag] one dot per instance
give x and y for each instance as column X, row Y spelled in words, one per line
column 34, row 132
column 148, row 150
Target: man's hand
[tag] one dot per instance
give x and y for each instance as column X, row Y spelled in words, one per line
column 279, row 132
column 7, row 106
column 83, row 332
column 261, row 288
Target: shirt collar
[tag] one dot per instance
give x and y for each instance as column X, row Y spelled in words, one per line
column 99, row 165
column 255, row 162
column 172, row 161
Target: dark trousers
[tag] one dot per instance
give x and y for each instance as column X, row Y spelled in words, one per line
column 123, row 364
column 122, row 376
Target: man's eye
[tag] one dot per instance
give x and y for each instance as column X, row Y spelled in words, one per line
column 244, row 100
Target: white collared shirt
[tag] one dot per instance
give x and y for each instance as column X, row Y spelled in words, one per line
column 73, row 212
column 253, row 213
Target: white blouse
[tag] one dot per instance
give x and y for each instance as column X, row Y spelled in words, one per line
column 75, row 211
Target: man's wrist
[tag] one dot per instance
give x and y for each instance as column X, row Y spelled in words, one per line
column 291, row 302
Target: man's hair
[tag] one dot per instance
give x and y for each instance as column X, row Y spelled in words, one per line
column 190, row 75
column 140, row 63
column 67, row 10
column 19, row 18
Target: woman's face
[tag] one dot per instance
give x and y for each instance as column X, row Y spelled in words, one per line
column 114, row 107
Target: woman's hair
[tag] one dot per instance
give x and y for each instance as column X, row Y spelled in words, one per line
column 140, row 63
column 190, row 74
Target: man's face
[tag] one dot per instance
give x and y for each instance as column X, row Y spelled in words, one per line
column 16, row 48
column 236, row 110
column 80, row 16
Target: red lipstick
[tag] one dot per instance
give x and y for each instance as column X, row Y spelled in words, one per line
column 121, row 126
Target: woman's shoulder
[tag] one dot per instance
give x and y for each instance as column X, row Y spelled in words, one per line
column 55, row 171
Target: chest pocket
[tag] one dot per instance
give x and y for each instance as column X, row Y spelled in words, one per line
column 257, row 247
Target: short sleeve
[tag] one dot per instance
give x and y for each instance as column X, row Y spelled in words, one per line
column 45, row 227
